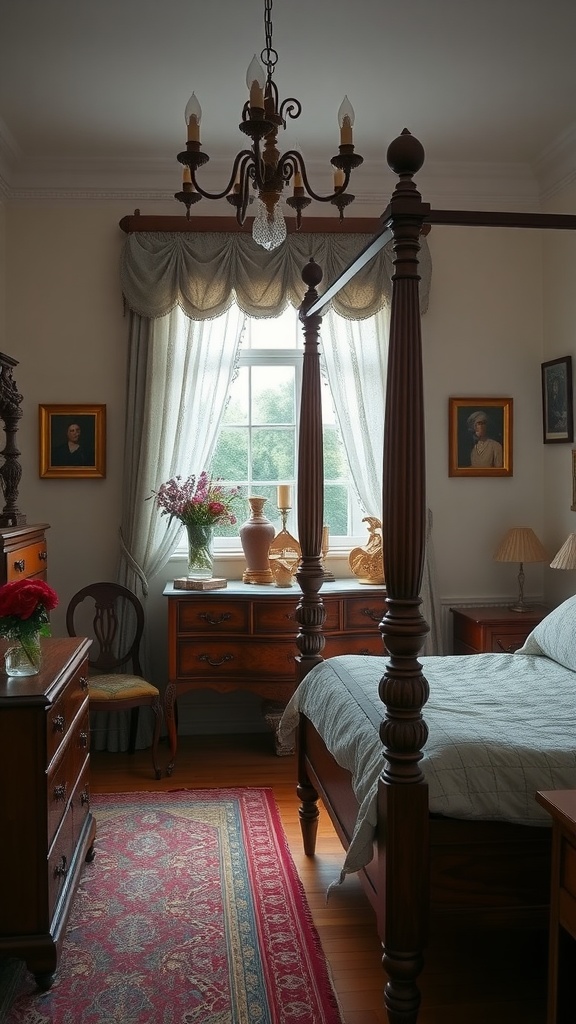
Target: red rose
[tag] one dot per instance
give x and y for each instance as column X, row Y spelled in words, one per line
column 22, row 597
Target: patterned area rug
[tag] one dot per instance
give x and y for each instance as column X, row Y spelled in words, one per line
column 191, row 913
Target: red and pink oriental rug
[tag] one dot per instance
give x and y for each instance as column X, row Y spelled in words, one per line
column 191, row 913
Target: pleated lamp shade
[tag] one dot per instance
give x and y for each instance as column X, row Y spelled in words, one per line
column 521, row 545
column 566, row 557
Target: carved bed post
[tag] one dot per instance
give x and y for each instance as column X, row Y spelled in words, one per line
column 402, row 793
column 310, row 612
column 11, row 470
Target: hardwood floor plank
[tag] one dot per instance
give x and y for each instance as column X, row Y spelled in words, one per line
column 467, row 979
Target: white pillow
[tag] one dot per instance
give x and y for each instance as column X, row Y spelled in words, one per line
column 555, row 636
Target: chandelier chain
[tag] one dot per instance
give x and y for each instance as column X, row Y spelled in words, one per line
column 269, row 56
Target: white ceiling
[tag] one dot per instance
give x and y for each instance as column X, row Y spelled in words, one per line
column 92, row 92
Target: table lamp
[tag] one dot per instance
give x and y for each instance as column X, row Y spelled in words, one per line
column 520, row 545
column 565, row 558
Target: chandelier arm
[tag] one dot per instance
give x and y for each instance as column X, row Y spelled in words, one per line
column 244, row 155
column 290, row 107
column 295, row 159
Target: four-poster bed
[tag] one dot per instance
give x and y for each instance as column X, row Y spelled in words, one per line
column 426, row 866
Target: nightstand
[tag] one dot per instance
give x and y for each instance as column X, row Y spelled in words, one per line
column 493, row 629
column 561, row 806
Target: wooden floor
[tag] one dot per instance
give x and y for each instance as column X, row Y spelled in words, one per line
column 483, row 980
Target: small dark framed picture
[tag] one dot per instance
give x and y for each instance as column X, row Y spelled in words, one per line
column 72, row 441
column 557, row 408
column 480, row 436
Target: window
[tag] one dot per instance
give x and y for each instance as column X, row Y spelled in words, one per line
column 257, row 446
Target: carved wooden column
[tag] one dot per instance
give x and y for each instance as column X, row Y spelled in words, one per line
column 402, row 792
column 11, row 470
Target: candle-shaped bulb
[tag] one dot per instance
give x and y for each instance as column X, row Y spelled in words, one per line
column 186, row 175
column 193, row 116
column 256, row 80
column 346, row 120
column 338, row 178
column 298, row 183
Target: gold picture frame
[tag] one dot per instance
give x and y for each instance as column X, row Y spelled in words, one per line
column 72, row 441
column 480, row 436
column 573, row 505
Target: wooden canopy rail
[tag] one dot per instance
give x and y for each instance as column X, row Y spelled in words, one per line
column 402, row 888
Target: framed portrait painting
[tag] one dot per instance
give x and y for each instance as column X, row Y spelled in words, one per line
column 557, row 409
column 480, row 436
column 72, row 441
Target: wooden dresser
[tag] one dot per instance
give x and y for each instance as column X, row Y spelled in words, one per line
column 47, row 828
column 493, row 629
column 23, row 553
column 243, row 638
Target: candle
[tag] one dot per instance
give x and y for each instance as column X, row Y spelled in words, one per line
column 338, row 178
column 284, row 496
column 346, row 132
column 193, row 129
column 298, row 180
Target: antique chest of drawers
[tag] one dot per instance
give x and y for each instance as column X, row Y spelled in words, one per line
column 23, row 553
column 244, row 637
column 47, row 828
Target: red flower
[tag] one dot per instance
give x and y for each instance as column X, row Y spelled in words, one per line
column 21, row 598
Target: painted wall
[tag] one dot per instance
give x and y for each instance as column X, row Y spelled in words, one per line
column 483, row 336
column 559, row 317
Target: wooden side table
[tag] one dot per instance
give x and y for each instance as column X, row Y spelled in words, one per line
column 561, row 805
column 493, row 629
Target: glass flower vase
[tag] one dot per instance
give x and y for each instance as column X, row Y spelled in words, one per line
column 200, row 557
column 24, row 658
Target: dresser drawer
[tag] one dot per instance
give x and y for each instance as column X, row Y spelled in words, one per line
column 64, row 710
column 505, row 640
column 28, row 560
column 59, row 861
column 218, row 616
column 279, row 616
column 354, row 645
column 204, row 659
column 359, row 612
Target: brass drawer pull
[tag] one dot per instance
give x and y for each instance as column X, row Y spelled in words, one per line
column 58, row 723
column 60, row 791
column 83, row 740
column 20, row 565
column 85, row 797
column 508, row 649
column 224, row 617
column 83, row 680
column 43, row 556
column 216, row 664
column 371, row 614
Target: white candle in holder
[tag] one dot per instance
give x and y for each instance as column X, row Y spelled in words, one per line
column 284, row 497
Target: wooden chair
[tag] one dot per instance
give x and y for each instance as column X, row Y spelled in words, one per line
column 116, row 682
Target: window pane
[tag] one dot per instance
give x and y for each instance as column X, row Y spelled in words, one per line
column 272, row 454
column 273, row 399
column 336, row 509
column 230, row 460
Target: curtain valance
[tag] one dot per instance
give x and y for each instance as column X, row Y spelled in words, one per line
column 205, row 272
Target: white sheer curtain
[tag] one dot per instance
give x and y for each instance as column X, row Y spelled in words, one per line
column 179, row 376
column 355, row 356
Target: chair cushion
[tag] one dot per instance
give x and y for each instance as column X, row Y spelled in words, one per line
column 120, row 687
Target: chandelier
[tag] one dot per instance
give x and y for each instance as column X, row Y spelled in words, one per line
column 262, row 168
